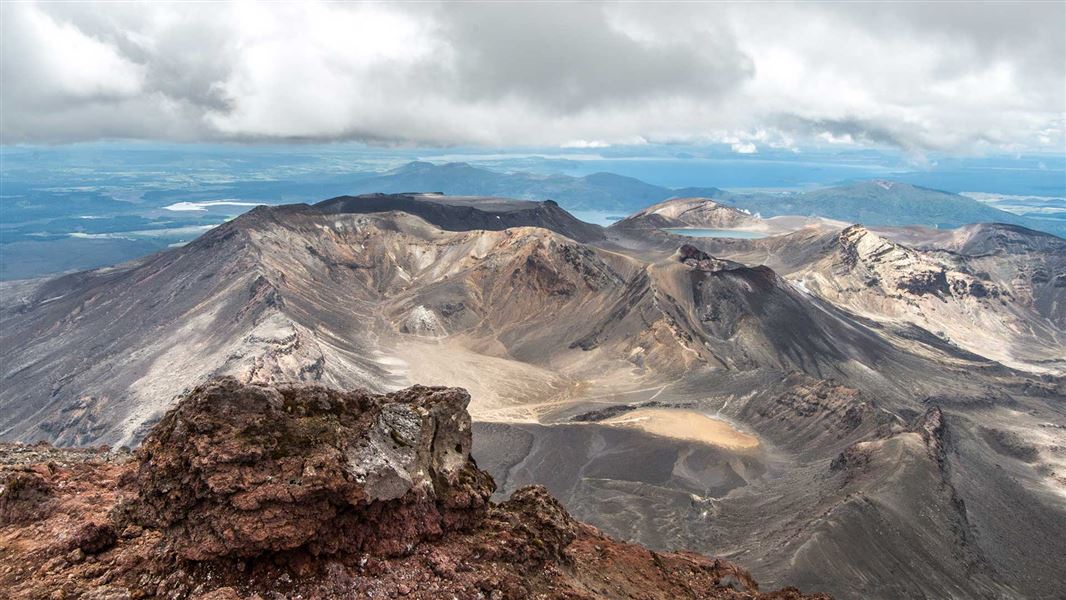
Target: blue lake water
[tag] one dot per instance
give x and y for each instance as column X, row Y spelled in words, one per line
column 597, row 217
column 718, row 233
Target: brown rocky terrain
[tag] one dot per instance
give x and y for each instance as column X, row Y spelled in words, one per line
column 676, row 392
column 689, row 212
column 990, row 289
column 245, row 491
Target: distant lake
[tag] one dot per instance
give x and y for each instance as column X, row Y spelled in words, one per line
column 597, row 217
column 716, row 233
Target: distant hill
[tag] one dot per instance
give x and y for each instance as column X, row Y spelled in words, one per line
column 877, row 202
column 880, row 202
column 599, row 191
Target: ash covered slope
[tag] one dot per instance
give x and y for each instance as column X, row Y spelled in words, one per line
column 251, row 492
column 1032, row 261
column 292, row 293
column 1002, row 308
column 688, row 212
column 91, row 356
column 991, row 289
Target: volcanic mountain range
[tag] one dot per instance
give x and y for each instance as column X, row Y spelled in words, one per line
column 836, row 407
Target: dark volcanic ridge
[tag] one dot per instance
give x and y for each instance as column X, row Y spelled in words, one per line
column 267, row 493
column 467, row 213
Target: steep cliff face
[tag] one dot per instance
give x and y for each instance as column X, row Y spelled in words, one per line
column 984, row 307
column 245, row 491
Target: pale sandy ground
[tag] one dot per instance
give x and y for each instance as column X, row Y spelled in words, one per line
column 509, row 391
column 500, row 389
column 685, row 425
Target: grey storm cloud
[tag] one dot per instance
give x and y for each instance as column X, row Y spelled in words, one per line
column 569, row 58
column 944, row 76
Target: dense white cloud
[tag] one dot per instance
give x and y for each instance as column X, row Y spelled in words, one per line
column 949, row 76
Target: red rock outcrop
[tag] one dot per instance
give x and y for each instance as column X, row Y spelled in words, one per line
column 247, row 492
column 240, row 470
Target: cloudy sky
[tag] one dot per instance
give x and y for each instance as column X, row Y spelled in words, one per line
column 954, row 77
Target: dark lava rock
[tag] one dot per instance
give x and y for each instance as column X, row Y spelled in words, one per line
column 925, row 282
column 698, row 259
column 538, row 527
column 93, row 538
column 933, row 430
column 24, row 497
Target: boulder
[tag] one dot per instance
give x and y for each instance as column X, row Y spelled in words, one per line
column 241, row 470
